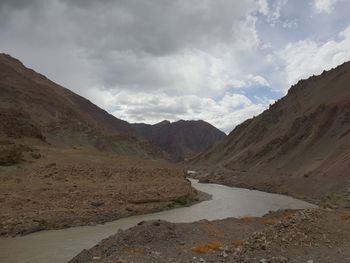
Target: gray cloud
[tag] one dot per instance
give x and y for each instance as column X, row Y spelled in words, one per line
column 156, row 59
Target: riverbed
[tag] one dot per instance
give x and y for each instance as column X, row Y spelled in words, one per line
column 57, row 246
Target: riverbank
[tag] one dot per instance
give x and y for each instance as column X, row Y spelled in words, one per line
column 310, row 236
column 325, row 191
column 63, row 188
column 59, row 246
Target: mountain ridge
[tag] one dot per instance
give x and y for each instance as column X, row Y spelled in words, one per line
column 62, row 116
column 180, row 139
column 302, row 138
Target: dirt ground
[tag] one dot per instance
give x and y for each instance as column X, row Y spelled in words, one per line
column 310, row 236
column 58, row 188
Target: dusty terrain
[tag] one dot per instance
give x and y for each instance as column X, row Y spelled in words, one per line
column 300, row 146
column 70, row 187
column 66, row 162
column 285, row 236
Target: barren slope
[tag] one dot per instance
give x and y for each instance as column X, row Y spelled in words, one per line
column 66, row 162
column 300, row 145
column 181, row 139
column 33, row 106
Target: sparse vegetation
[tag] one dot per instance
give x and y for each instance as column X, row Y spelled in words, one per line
column 207, row 248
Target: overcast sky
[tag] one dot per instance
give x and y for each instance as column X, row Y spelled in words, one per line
column 149, row 60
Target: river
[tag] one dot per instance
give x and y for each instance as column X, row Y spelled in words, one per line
column 57, row 246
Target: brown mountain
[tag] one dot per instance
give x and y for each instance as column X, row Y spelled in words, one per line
column 33, row 106
column 180, row 139
column 300, row 145
column 72, row 161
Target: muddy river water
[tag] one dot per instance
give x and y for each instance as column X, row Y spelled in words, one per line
column 61, row 245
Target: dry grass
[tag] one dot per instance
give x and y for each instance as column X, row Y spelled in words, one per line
column 214, row 231
column 135, row 249
column 238, row 243
column 344, row 216
column 207, row 248
column 268, row 221
column 287, row 215
column 247, row 218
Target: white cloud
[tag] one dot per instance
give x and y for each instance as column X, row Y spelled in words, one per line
column 225, row 113
column 259, row 80
column 305, row 58
column 152, row 60
column 272, row 11
column 264, row 7
column 154, row 46
column 324, row 6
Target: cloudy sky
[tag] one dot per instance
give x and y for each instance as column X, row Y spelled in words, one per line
column 149, row 60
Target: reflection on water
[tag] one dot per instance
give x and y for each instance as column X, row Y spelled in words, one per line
column 62, row 245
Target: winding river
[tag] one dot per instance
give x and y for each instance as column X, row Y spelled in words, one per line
column 57, row 246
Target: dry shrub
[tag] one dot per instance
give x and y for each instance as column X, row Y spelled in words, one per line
column 238, row 243
column 207, row 248
column 344, row 216
column 268, row 221
column 10, row 155
column 287, row 215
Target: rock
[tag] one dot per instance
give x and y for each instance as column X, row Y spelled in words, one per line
column 97, row 203
column 141, row 223
column 310, row 261
column 50, row 165
column 35, row 155
column 224, row 254
column 156, row 223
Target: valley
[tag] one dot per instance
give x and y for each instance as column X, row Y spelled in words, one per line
column 72, row 174
column 66, row 162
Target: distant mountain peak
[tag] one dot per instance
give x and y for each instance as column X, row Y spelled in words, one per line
column 165, row 122
column 180, row 139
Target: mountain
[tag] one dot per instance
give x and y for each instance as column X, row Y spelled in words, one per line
column 180, row 139
column 78, row 165
column 300, row 145
column 32, row 106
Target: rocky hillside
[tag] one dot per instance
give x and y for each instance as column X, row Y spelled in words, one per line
column 72, row 161
column 32, row 106
column 300, row 145
column 181, row 139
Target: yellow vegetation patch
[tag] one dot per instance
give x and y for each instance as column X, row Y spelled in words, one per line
column 207, row 248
